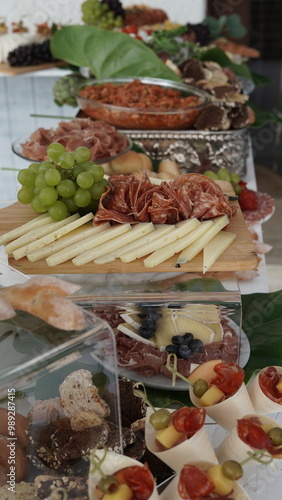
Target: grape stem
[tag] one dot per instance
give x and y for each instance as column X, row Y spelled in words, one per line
column 261, row 456
column 173, row 369
column 142, row 394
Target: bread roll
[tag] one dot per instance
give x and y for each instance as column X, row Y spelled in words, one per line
column 169, row 167
column 131, row 162
column 45, row 297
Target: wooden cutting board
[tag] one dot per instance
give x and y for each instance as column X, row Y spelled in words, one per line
column 19, row 70
column 240, row 256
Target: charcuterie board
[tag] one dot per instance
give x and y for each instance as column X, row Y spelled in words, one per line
column 240, row 256
column 19, row 70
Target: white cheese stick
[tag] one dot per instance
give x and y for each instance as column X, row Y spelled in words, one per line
column 181, row 229
column 197, row 246
column 39, row 221
column 75, row 236
column 112, row 255
column 215, row 248
column 168, row 251
column 70, row 223
column 34, row 234
column 90, row 242
column 117, row 242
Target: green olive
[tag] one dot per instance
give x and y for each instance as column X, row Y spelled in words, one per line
column 232, row 469
column 275, row 435
column 200, row 387
column 108, row 484
column 160, row 419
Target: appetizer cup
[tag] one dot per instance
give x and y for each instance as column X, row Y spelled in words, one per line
column 234, row 448
column 225, row 412
column 172, row 492
column 262, row 404
column 113, row 463
column 191, row 448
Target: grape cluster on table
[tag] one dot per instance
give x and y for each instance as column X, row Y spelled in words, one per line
column 106, row 14
column 31, row 54
column 65, row 183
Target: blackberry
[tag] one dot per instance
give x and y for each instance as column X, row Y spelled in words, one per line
column 31, row 55
column 201, row 32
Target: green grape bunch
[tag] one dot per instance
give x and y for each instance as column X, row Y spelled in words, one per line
column 107, row 14
column 64, row 183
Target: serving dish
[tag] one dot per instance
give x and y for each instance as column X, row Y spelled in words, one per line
column 18, row 150
column 145, row 118
column 240, row 255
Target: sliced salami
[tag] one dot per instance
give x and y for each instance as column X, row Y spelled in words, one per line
column 266, row 207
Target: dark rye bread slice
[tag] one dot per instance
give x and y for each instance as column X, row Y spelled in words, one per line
column 213, row 117
column 132, row 408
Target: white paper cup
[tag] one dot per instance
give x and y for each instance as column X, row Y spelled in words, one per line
column 171, row 491
column 187, row 451
column 113, row 463
column 227, row 412
column 261, row 403
column 233, row 448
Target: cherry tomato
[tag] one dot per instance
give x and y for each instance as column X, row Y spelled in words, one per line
column 131, row 29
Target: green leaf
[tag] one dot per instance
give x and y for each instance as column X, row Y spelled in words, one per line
column 264, row 117
column 261, row 80
column 199, row 285
column 108, row 54
column 262, row 323
column 234, row 27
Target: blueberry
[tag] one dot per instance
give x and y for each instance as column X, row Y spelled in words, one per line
column 171, row 349
column 184, row 351
column 187, row 338
column 145, row 332
column 154, row 316
column 196, row 345
column 148, row 323
column 177, row 339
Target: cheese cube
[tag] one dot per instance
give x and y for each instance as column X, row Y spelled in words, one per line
column 212, row 396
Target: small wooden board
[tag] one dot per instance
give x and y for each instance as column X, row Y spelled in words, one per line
column 240, row 256
column 19, row 70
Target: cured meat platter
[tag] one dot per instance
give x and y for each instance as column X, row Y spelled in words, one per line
column 240, row 256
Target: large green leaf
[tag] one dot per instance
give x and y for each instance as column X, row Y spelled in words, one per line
column 262, row 323
column 264, row 117
column 108, row 54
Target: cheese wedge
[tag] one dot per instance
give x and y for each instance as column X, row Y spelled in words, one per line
column 181, row 229
column 75, row 236
column 168, row 251
column 39, row 221
column 215, row 248
column 149, row 228
column 94, row 240
column 194, row 248
column 71, row 223
column 34, row 234
column 119, row 241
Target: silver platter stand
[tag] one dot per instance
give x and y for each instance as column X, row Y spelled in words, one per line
column 194, row 149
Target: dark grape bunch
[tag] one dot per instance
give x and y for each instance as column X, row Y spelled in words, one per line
column 106, row 14
column 200, row 32
column 31, row 55
column 149, row 316
column 65, row 183
column 184, row 345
